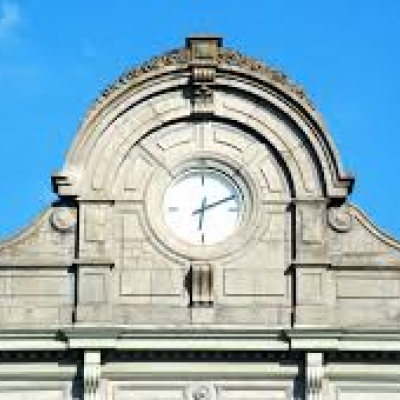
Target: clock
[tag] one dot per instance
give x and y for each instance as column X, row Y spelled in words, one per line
column 203, row 206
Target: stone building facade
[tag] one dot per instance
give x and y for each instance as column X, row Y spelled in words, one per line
column 138, row 284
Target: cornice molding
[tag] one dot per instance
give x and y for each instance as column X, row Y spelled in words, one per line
column 181, row 59
column 122, row 338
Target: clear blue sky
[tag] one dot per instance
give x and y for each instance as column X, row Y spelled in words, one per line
column 56, row 56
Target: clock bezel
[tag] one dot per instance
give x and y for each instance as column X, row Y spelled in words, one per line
column 164, row 177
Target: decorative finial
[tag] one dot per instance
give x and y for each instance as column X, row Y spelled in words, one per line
column 203, row 48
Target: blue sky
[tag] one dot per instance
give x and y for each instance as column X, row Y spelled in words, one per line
column 56, row 57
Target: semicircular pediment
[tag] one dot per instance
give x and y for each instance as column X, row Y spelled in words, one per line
column 241, row 91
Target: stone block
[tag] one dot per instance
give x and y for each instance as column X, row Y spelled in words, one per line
column 368, row 285
column 312, row 285
column 93, row 313
column 132, row 227
column 35, row 285
column 151, row 282
column 314, row 315
column 312, row 223
column 95, row 222
column 254, row 282
column 93, row 287
column 202, row 315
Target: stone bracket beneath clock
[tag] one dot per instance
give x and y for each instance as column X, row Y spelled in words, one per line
column 201, row 285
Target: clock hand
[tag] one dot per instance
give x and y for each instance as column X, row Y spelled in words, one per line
column 205, row 207
column 201, row 213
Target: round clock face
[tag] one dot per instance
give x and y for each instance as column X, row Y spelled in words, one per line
column 203, row 206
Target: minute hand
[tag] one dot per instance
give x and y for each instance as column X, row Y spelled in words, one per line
column 212, row 205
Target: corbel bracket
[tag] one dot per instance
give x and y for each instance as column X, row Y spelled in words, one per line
column 201, row 286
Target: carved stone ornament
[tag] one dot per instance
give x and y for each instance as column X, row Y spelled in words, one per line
column 203, row 54
column 201, row 392
column 203, row 99
column 340, row 218
column 204, row 48
column 174, row 58
column 63, row 219
column 202, row 51
column 233, row 58
column 201, row 285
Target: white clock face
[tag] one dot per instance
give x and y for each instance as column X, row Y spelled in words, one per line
column 203, row 206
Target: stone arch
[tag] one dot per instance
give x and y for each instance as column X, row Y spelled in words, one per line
column 108, row 145
column 274, row 109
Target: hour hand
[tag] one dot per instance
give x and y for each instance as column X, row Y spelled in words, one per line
column 201, row 213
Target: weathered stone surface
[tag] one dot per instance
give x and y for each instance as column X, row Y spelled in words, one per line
column 304, row 274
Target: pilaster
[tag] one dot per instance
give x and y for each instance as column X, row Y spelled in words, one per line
column 314, row 376
column 91, row 375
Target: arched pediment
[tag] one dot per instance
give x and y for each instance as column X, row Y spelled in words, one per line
column 239, row 92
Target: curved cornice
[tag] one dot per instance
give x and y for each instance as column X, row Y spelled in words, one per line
column 374, row 229
column 25, row 231
column 180, row 59
column 178, row 68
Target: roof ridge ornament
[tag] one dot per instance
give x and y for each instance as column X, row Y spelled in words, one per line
column 204, row 53
column 205, row 50
column 233, row 58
